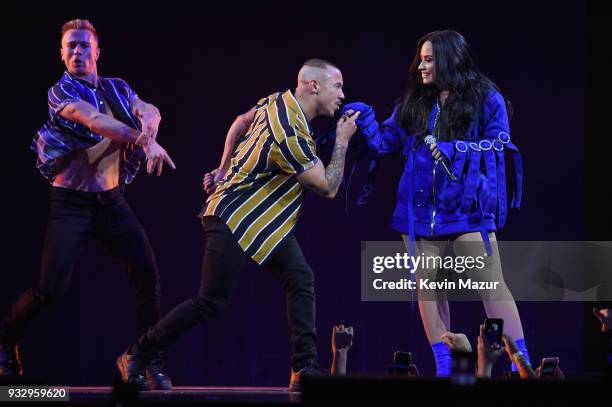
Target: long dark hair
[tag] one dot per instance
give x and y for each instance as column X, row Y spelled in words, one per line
column 455, row 71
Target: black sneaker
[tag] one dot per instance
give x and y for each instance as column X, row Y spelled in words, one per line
column 132, row 370
column 10, row 363
column 156, row 378
column 313, row 369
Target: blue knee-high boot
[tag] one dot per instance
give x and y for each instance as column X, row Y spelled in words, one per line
column 442, row 355
column 523, row 348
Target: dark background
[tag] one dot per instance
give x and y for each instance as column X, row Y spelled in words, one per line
column 202, row 66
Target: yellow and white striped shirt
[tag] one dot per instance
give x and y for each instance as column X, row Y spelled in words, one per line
column 260, row 198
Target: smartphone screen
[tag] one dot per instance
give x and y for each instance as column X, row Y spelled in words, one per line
column 494, row 329
column 463, row 368
column 402, row 358
column 548, row 366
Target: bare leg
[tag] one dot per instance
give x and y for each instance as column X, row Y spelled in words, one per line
column 502, row 304
column 435, row 314
column 433, row 307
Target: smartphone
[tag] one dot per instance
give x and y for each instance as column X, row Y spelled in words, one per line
column 463, row 368
column 493, row 330
column 548, row 366
column 401, row 364
column 402, row 358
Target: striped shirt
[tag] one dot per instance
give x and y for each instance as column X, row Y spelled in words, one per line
column 59, row 136
column 260, row 198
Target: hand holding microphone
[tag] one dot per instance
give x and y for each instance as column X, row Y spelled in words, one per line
column 437, row 156
column 346, row 126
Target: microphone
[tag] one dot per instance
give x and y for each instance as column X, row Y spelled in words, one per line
column 429, row 140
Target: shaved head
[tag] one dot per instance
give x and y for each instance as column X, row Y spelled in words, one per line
column 319, row 88
column 310, row 73
column 315, row 70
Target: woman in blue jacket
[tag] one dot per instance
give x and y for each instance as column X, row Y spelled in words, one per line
column 466, row 119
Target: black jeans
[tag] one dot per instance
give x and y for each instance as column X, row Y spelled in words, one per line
column 74, row 218
column 222, row 265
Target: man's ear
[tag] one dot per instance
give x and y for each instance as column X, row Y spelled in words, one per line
column 313, row 86
column 97, row 53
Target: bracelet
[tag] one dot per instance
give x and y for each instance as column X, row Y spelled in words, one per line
column 516, row 355
column 520, row 360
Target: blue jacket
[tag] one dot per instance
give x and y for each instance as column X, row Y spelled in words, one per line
column 429, row 204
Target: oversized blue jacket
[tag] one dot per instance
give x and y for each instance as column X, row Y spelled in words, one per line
column 429, row 204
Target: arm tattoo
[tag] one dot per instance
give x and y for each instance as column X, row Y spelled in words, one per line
column 335, row 169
